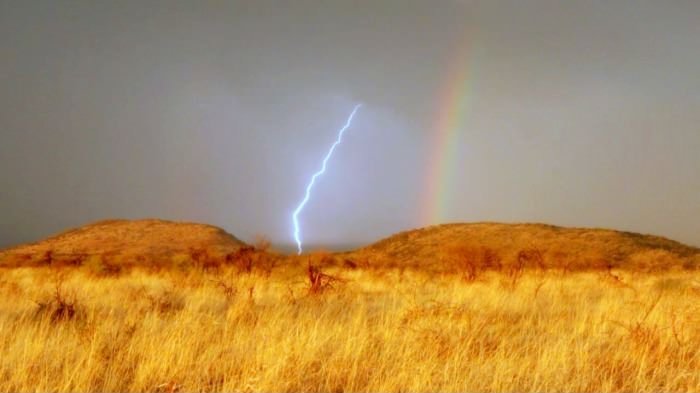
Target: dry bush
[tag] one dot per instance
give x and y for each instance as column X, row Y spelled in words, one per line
column 243, row 259
column 203, row 259
column 266, row 262
column 471, row 261
column 364, row 262
column 182, row 262
column 249, row 258
column 531, row 258
column 319, row 281
column 350, row 264
column 60, row 307
column 229, row 290
column 101, row 266
column 167, row 330
column 45, row 258
column 259, row 257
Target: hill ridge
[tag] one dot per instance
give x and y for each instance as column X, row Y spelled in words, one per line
column 144, row 240
column 574, row 246
column 152, row 240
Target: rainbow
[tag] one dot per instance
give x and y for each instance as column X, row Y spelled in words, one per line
column 450, row 120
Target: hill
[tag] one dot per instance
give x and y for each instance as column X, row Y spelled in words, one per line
column 446, row 247
column 443, row 246
column 125, row 241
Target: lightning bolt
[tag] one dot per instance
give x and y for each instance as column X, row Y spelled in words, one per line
column 295, row 216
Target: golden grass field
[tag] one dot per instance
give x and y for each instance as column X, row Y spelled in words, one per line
column 371, row 329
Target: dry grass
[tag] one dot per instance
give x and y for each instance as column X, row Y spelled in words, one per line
column 113, row 244
column 532, row 245
column 377, row 330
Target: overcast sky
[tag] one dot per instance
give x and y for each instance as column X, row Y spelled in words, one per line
column 582, row 113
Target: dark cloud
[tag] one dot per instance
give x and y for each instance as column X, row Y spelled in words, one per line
column 582, row 113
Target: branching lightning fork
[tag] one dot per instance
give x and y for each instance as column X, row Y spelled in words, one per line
column 295, row 216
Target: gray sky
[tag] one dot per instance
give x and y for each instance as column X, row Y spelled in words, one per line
column 582, row 113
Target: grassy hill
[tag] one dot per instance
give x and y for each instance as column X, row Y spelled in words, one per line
column 125, row 241
column 443, row 246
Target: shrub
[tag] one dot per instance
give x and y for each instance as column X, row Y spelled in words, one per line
column 319, row 281
column 60, row 307
column 98, row 265
column 206, row 260
column 182, row 261
column 229, row 290
column 242, row 259
column 531, row 257
column 471, row 261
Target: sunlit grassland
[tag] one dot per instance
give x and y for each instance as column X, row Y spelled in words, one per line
column 378, row 330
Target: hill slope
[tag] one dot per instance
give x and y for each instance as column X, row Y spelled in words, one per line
column 546, row 245
column 141, row 241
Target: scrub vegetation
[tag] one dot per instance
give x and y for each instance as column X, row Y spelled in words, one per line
column 491, row 319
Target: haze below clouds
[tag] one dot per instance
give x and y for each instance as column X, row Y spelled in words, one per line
column 580, row 114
